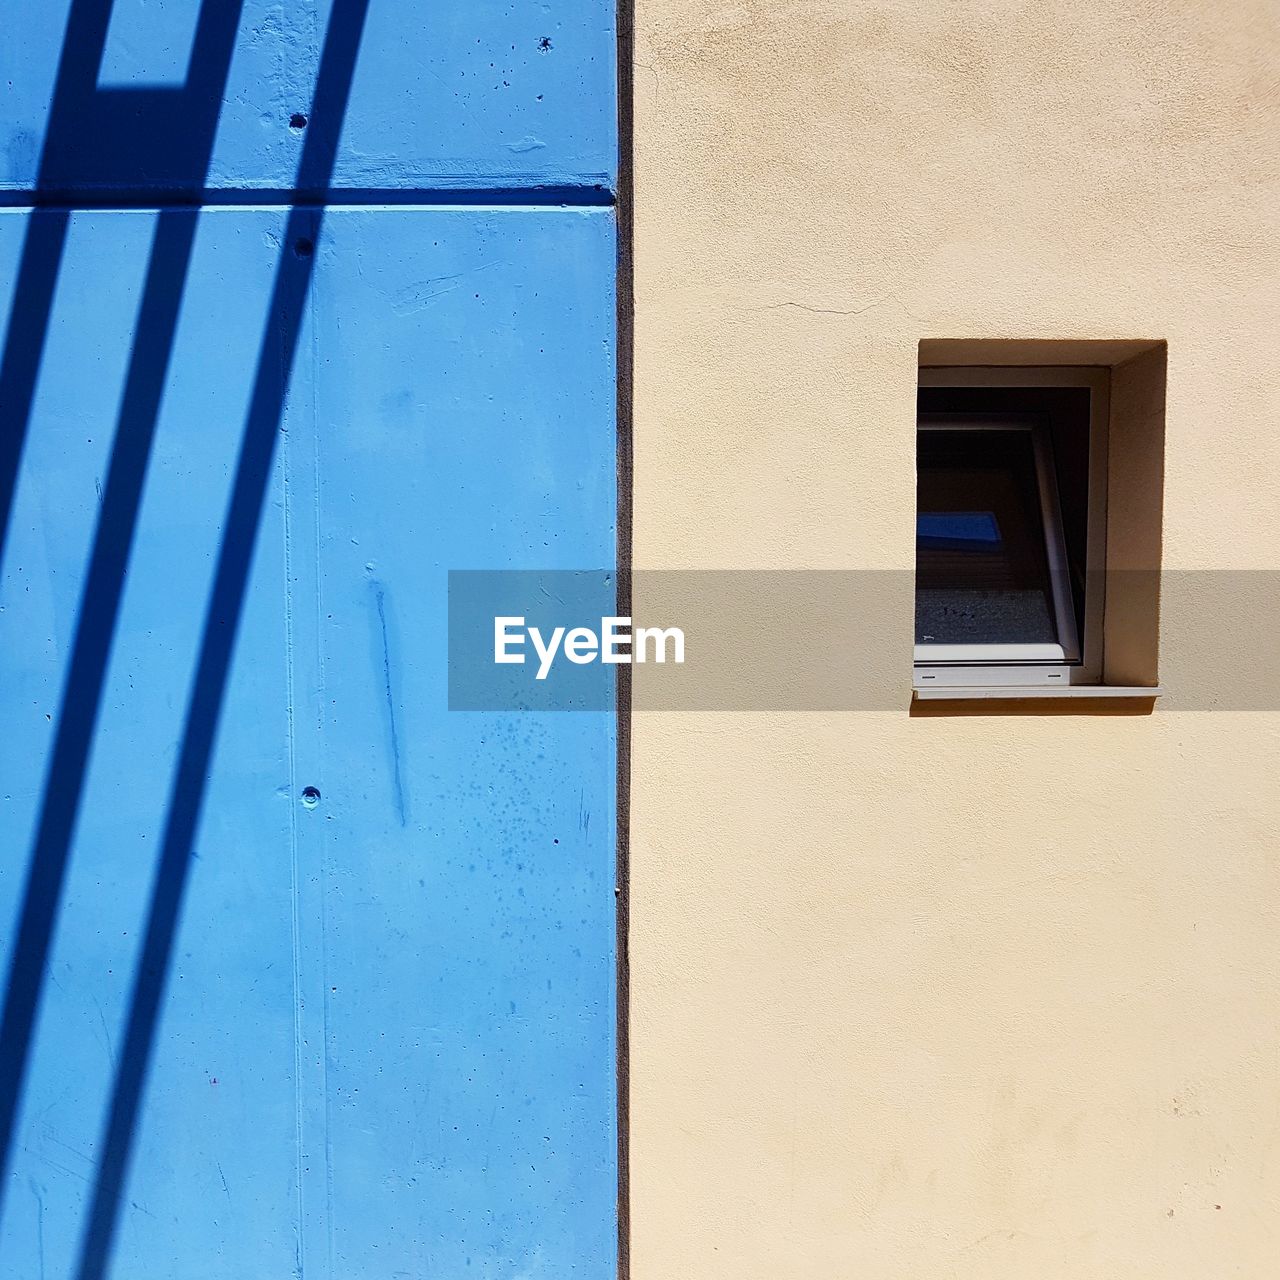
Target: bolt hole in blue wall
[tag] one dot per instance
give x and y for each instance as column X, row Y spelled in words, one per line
column 248, row 1031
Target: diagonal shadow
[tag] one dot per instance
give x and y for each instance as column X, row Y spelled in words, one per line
column 90, row 130
column 45, row 239
column 123, row 141
column 42, row 245
column 226, row 603
column 152, row 141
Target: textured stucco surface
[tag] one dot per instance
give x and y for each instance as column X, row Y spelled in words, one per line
column 982, row 997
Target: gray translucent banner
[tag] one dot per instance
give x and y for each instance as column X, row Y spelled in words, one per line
column 823, row 640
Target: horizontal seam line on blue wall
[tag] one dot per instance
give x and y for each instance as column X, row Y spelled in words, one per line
column 571, row 195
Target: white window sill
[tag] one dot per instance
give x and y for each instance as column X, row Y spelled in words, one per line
column 980, row 692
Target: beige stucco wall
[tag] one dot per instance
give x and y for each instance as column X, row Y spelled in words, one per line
column 974, row 997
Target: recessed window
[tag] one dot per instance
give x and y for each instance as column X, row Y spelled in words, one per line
column 1010, row 524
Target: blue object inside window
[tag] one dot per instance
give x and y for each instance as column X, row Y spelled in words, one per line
column 958, row 530
column 982, row 571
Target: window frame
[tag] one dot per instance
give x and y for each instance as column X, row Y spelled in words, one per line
column 1077, row 659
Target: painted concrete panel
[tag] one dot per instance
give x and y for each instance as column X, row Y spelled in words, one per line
column 385, row 1041
column 216, row 1164
column 464, row 415
column 488, row 94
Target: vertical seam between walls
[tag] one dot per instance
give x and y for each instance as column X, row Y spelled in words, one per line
column 624, row 330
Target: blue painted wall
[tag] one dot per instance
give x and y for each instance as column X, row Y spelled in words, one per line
column 305, row 975
column 469, row 93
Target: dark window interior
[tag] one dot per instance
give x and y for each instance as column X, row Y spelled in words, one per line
column 982, row 572
column 961, row 477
